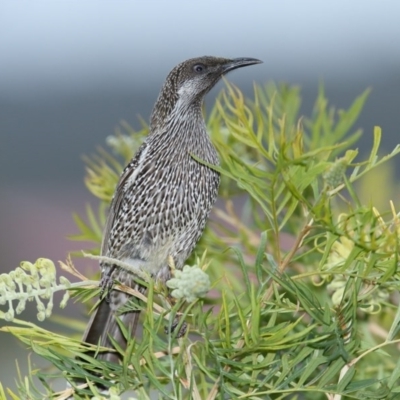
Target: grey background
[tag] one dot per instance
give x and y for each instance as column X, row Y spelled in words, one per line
column 71, row 70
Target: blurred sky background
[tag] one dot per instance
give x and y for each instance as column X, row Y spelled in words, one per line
column 71, row 70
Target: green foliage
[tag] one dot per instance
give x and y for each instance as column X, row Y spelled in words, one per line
column 304, row 274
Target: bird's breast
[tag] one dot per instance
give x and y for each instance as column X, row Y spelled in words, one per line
column 164, row 208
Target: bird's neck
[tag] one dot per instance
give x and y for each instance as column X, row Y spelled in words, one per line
column 171, row 105
column 184, row 130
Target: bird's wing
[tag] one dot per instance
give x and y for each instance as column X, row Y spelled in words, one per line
column 118, row 196
column 103, row 323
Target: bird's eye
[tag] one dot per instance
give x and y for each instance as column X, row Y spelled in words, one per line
column 199, row 68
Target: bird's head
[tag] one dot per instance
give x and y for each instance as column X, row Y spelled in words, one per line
column 190, row 80
column 195, row 77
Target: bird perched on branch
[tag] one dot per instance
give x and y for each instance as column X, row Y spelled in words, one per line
column 163, row 197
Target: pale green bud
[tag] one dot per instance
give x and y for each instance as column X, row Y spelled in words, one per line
column 21, row 306
column 8, row 280
column 9, row 315
column 334, row 175
column 45, row 264
column 64, row 300
column 41, row 316
column 190, row 283
column 49, row 308
column 64, row 281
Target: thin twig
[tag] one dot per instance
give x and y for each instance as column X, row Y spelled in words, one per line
column 128, row 267
column 285, row 262
column 297, row 244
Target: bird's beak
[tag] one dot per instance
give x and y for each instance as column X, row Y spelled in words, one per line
column 238, row 63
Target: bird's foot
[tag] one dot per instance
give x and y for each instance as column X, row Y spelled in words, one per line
column 175, row 324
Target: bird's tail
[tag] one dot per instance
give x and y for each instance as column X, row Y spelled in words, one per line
column 103, row 325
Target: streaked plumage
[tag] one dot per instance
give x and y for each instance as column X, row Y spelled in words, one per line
column 164, row 196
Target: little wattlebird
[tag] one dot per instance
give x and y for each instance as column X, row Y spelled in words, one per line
column 163, row 197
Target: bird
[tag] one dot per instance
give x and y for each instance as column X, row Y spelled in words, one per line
column 163, row 198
